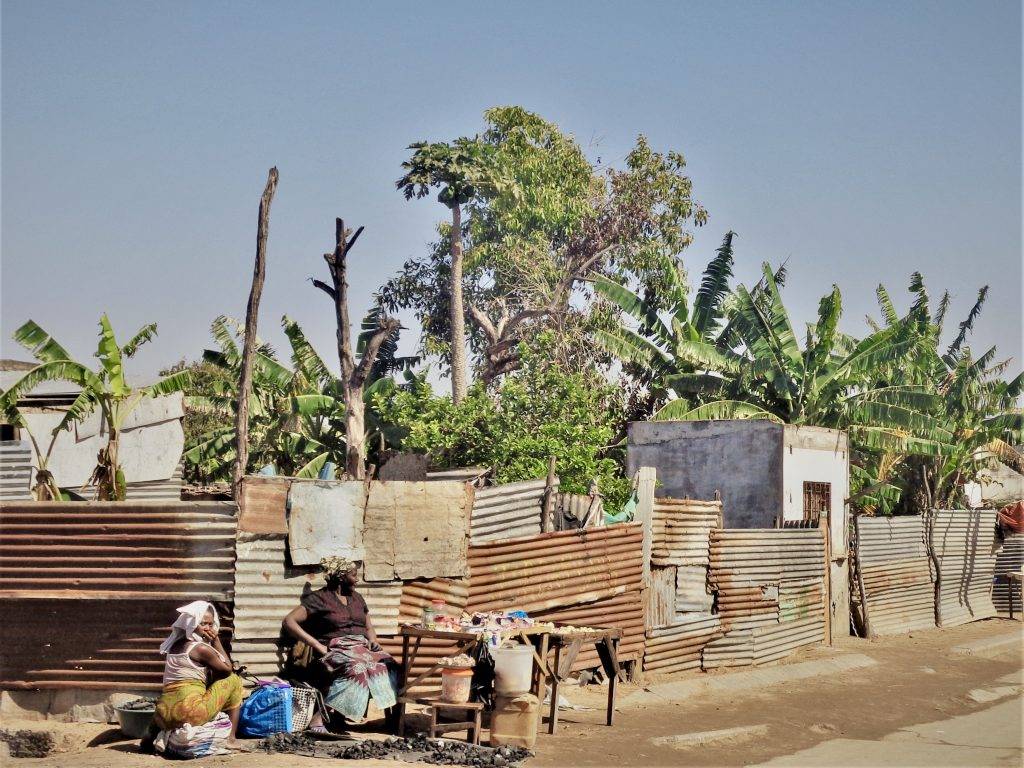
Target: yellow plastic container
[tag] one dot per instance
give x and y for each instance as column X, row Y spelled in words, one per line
column 514, row 720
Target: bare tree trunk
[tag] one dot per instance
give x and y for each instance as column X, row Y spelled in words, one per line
column 458, row 317
column 249, row 347
column 353, row 374
column 355, row 433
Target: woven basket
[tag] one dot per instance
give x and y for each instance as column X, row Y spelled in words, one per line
column 305, row 699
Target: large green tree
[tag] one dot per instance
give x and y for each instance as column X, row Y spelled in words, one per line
column 547, row 219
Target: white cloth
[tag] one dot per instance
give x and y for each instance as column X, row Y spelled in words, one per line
column 187, row 624
column 180, row 666
column 190, row 741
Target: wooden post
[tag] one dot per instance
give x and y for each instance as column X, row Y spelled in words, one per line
column 549, row 498
column 249, row 345
column 825, row 521
column 646, row 480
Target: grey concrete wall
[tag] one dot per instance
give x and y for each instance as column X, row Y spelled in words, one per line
column 693, row 459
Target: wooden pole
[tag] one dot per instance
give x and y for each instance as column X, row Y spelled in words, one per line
column 549, row 498
column 249, row 347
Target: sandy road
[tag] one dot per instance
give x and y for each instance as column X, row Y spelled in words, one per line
column 919, row 703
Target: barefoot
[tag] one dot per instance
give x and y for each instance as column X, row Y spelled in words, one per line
column 235, row 744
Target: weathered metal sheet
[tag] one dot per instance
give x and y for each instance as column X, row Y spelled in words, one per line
column 894, row 568
column 15, row 470
column 263, row 507
column 1010, row 559
column 678, row 647
column 117, row 550
column 681, row 530
column 325, row 518
column 573, row 510
column 266, row 589
column 964, row 542
column 157, row 490
column 416, row 530
column 775, row 642
column 86, row 644
column 661, row 597
column 508, row 511
column 459, row 474
column 749, row 568
column 692, row 595
column 556, row 570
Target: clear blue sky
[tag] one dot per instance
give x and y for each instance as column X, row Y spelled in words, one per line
column 862, row 141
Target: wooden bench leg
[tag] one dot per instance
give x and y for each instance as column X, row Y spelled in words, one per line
column 477, row 723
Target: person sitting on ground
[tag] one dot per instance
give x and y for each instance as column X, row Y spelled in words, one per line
column 199, row 682
column 337, row 650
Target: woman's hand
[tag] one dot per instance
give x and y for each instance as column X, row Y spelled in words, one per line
column 321, row 649
column 208, row 635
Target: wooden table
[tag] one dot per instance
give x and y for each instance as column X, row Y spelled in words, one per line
column 566, row 646
column 606, row 641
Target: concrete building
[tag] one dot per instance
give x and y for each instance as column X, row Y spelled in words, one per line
column 763, row 471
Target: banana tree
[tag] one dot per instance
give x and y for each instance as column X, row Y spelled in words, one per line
column 105, row 389
column 44, row 487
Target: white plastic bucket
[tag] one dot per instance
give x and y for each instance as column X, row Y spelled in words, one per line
column 513, row 669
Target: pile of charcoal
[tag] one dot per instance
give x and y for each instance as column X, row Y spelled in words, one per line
column 435, row 752
column 298, row 743
column 28, row 743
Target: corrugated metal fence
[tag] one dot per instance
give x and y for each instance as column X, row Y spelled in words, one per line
column 508, row 511
column 893, row 566
column 61, row 564
column 964, row 543
column 15, row 470
column 1009, row 560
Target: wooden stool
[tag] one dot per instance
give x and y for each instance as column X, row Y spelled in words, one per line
column 435, row 707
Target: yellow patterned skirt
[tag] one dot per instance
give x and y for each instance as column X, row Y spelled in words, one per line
column 190, row 701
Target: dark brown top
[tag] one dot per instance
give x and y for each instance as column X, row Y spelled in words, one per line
column 329, row 617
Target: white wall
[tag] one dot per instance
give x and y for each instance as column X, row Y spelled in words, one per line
column 817, row 455
column 151, row 446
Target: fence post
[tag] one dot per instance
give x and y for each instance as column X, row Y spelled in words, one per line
column 646, row 479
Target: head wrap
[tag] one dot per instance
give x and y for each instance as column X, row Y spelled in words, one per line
column 335, row 565
column 187, row 624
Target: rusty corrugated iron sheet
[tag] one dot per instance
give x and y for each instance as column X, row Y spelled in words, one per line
column 661, row 597
column 678, row 647
column 964, row 542
column 692, row 595
column 87, row 644
column 264, row 503
column 681, row 529
column 769, row 592
column 625, row 611
column 1010, row 559
column 117, row 550
column 893, row 565
column 507, row 511
column 555, row 570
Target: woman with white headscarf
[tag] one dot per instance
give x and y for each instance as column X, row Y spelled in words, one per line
column 199, row 682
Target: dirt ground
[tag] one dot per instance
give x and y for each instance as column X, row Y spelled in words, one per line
column 921, row 704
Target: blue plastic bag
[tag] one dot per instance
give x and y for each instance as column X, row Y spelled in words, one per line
column 266, row 711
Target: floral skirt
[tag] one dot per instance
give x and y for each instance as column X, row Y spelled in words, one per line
column 190, row 702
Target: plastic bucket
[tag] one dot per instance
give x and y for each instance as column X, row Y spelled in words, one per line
column 455, row 684
column 134, row 723
column 514, row 721
column 513, row 669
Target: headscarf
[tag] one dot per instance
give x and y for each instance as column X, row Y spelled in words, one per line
column 335, row 565
column 187, row 624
